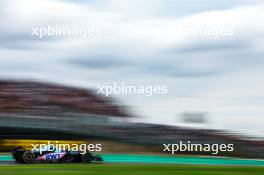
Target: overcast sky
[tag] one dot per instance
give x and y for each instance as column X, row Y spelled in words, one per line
column 148, row 42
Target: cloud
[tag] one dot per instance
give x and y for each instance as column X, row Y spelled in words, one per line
column 144, row 42
column 102, row 62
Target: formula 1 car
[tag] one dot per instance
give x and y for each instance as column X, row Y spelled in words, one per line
column 21, row 155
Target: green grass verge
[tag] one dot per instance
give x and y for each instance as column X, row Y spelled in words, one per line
column 127, row 169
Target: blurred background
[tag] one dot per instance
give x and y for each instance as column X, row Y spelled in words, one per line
column 208, row 53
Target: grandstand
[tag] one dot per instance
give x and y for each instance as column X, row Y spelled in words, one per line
column 33, row 110
column 34, row 98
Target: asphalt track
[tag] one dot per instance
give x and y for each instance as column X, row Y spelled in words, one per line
column 128, row 158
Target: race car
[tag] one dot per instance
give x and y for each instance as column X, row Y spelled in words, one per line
column 21, row 155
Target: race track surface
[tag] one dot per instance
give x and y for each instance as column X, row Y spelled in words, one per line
column 127, row 158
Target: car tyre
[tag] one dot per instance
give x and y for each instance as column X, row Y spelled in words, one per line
column 28, row 157
column 87, row 158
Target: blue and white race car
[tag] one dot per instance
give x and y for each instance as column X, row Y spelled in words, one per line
column 21, row 155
